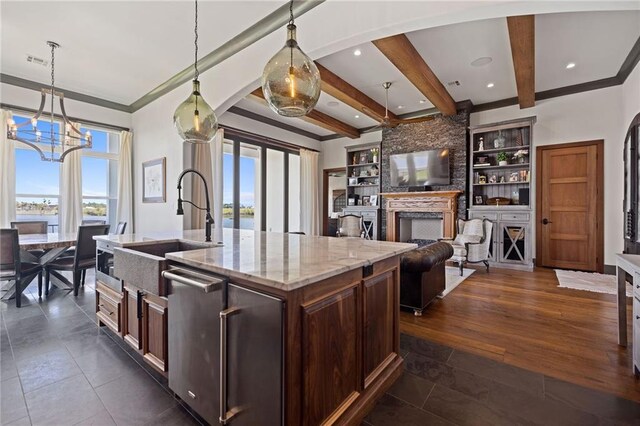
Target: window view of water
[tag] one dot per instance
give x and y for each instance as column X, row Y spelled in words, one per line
column 245, row 222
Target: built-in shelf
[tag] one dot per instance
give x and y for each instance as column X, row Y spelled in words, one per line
column 361, row 186
column 364, row 177
column 362, row 164
column 495, row 150
column 508, row 166
column 502, row 183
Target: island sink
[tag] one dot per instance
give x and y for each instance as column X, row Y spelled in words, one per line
column 143, row 264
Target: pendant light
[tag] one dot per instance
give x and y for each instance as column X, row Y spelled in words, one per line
column 291, row 80
column 194, row 119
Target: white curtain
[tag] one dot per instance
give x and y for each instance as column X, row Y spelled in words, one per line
column 201, row 161
column 124, row 209
column 217, row 187
column 70, row 203
column 7, row 173
column 309, row 192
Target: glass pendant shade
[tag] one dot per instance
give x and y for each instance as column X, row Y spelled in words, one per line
column 194, row 119
column 291, row 80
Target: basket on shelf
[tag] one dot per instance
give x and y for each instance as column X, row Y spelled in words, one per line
column 498, row 201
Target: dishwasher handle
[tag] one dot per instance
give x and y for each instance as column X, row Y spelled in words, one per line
column 202, row 282
column 225, row 415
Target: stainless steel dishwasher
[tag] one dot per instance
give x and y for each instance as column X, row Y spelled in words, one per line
column 225, row 349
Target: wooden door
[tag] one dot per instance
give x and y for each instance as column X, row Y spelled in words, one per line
column 569, row 204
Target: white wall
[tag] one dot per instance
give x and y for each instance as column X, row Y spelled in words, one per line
column 584, row 116
column 631, row 97
column 333, row 153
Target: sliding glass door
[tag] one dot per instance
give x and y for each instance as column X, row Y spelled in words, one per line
column 261, row 186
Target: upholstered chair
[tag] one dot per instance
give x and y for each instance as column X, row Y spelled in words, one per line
column 350, row 225
column 471, row 245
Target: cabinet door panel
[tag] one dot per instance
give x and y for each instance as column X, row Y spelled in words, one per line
column 380, row 318
column 132, row 330
column 330, row 348
column 154, row 320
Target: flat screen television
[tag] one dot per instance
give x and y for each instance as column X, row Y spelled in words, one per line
column 424, row 168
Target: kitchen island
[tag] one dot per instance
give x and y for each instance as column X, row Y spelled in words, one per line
column 331, row 351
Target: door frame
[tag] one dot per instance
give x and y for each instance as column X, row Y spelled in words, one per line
column 325, row 195
column 599, row 144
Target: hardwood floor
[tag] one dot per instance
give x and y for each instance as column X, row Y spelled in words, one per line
column 524, row 319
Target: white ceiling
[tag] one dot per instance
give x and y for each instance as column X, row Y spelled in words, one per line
column 598, row 42
column 140, row 43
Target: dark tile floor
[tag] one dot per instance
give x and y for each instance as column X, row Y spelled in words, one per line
column 58, row 368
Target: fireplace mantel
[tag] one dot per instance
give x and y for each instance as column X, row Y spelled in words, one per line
column 443, row 202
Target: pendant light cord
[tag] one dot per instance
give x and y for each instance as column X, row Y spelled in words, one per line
column 53, row 73
column 195, row 30
column 291, row 12
column 291, row 47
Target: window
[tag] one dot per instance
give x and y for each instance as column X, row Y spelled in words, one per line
column 38, row 182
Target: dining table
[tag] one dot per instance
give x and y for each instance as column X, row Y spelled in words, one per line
column 54, row 245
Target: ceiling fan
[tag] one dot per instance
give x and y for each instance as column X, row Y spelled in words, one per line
column 388, row 122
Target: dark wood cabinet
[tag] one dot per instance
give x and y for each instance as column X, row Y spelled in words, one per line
column 145, row 325
column 132, row 324
column 330, row 348
column 380, row 306
column 154, row 331
column 109, row 307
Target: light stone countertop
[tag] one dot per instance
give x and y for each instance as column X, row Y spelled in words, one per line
column 283, row 261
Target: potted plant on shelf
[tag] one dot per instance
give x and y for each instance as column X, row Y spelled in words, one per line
column 520, row 155
column 502, row 158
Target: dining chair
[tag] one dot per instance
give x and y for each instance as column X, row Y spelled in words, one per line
column 350, row 225
column 121, row 227
column 12, row 269
column 84, row 256
column 30, row 227
column 25, row 227
column 94, row 222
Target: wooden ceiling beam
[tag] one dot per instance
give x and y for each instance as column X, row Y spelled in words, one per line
column 522, row 40
column 401, row 52
column 345, row 92
column 320, row 119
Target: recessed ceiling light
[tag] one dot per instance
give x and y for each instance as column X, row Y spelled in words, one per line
column 400, row 106
column 485, row 60
column 357, row 52
column 356, row 116
column 333, row 104
column 490, row 85
column 571, row 65
column 423, row 101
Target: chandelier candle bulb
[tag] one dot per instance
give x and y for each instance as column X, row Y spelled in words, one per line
column 34, row 123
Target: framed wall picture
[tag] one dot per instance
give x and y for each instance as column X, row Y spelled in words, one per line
column 154, row 181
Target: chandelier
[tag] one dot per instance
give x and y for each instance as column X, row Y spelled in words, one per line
column 51, row 145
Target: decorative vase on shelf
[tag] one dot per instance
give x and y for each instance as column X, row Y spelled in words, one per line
column 499, row 141
column 502, row 163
